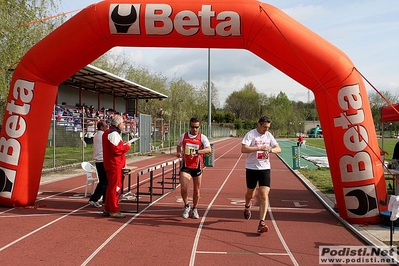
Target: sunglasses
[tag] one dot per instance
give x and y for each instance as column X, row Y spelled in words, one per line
column 194, row 127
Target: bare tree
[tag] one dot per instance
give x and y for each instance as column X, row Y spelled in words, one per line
column 203, row 92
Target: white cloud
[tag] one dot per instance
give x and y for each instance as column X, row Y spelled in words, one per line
column 365, row 30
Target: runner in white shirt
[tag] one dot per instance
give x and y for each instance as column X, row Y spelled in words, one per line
column 258, row 144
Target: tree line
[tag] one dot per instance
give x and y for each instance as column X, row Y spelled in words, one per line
column 242, row 108
column 22, row 25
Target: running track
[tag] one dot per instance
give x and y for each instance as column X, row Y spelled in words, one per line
column 63, row 229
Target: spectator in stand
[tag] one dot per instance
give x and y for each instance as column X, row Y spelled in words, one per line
column 77, row 121
column 114, row 152
column 98, row 158
column 87, row 112
column 108, row 113
column 92, row 111
column 100, row 113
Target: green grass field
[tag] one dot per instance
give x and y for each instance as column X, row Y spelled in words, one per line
column 321, row 178
column 389, row 144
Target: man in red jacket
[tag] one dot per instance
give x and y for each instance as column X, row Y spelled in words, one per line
column 114, row 153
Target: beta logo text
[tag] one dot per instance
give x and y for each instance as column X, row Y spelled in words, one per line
column 161, row 19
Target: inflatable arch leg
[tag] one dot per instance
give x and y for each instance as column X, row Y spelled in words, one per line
column 263, row 29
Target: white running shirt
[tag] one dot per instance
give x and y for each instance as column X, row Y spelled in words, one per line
column 255, row 160
column 98, row 146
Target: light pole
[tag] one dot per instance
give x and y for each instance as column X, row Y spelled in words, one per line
column 180, row 103
column 162, row 127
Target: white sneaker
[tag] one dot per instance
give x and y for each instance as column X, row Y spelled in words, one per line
column 194, row 213
column 95, row 204
column 186, row 212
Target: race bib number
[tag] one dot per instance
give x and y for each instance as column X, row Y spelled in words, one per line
column 191, row 148
column 262, row 155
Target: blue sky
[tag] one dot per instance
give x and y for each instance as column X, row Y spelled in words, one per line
column 367, row 31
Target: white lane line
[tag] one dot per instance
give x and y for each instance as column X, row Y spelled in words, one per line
column 195, row 245
column 242, row 253
column 40, row 228
column 68, row 214
column 280, row 236
column 225, row 208
column 46, row 225
column 121, row 228
column 40, row 199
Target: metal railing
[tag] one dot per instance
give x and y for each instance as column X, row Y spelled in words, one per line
column 154, row 181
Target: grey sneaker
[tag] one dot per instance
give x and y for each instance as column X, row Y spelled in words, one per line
column 247, row 211
column 186, row 211
column 95, row 204
column 194, row 213
column 116, row 215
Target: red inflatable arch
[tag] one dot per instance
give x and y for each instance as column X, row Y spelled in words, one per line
column 339, row 91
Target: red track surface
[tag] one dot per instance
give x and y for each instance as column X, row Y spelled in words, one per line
column 64, row 230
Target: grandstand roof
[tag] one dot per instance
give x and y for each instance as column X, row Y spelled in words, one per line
column 97, row 80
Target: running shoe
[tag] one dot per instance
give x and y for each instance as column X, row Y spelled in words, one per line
column 95, row 204
column 247, row 212
column 194, row 213
column 262, row 227
column 186, row 211
column 105, row 213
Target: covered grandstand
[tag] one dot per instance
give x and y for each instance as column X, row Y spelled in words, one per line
column 92, row 94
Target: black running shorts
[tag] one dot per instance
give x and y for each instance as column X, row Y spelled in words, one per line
column 253, row 177
column 192, row 172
